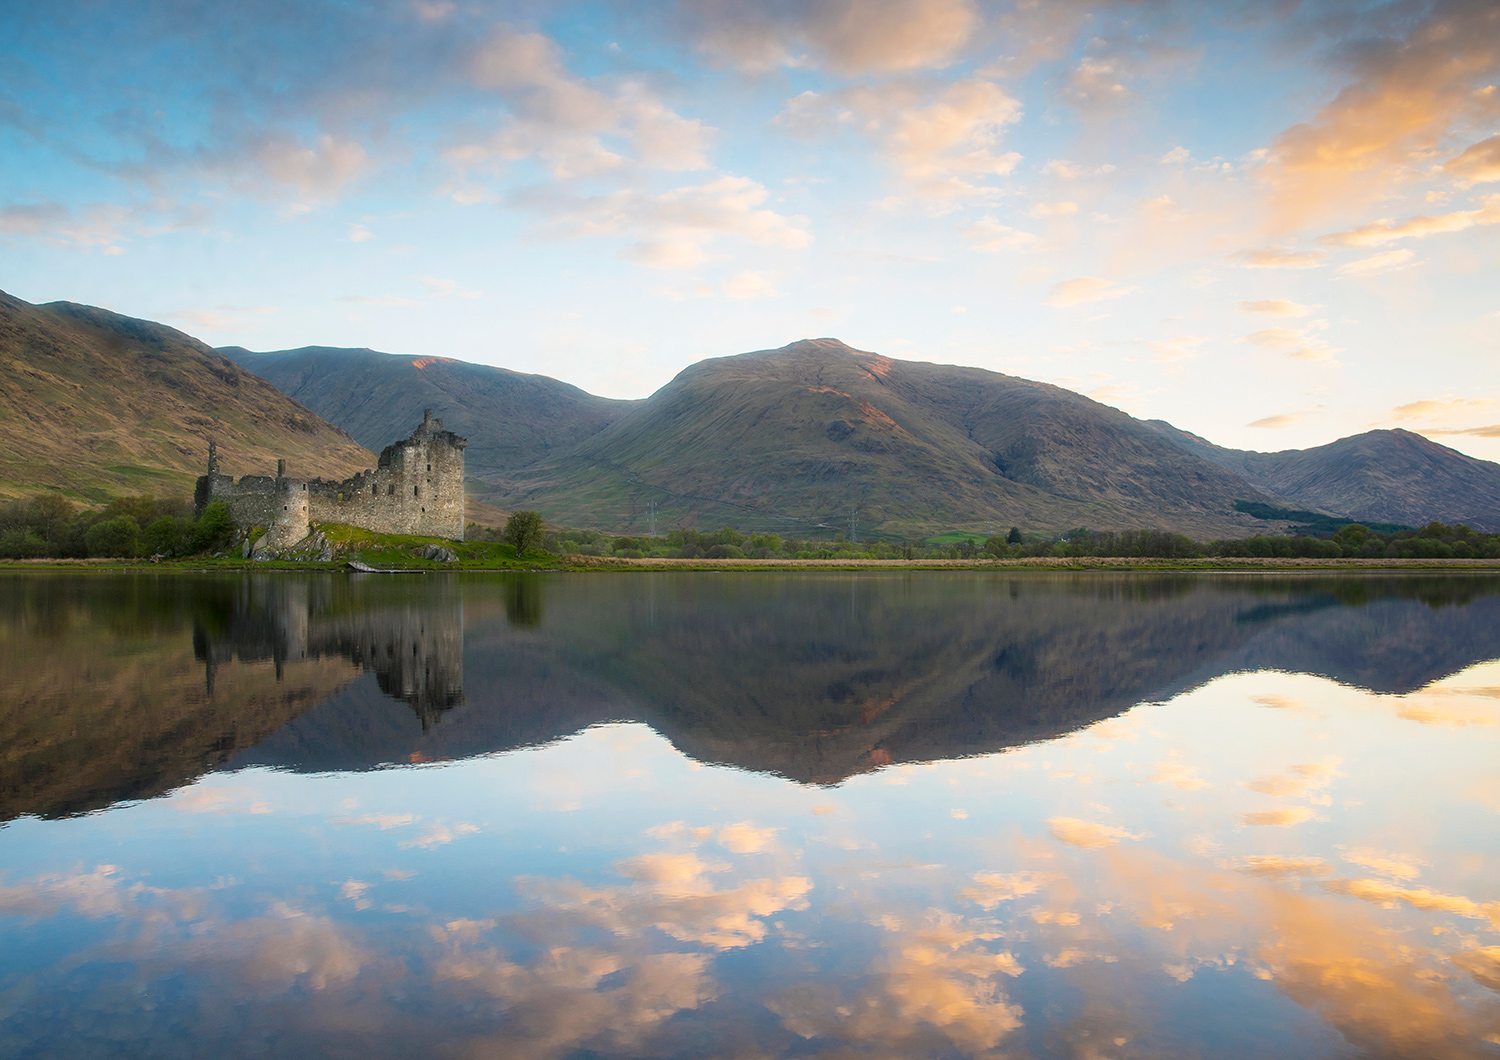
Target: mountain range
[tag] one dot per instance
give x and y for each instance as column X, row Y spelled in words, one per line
column 817, row 437
column 806, row 440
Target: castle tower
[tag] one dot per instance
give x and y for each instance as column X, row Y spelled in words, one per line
column 289, row 513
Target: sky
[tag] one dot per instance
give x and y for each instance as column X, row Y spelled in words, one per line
column 1273, row 223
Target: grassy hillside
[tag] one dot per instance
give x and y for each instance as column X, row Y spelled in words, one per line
column 816, row 432
column 510, row 419
column 95, row 404
column 1391, row 476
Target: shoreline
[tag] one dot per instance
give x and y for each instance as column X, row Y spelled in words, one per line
column 597, row 564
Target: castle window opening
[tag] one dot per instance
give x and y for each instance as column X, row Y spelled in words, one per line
column 390, row 491
column 415, row 491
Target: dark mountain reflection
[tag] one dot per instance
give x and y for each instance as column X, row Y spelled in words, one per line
column 126, row 686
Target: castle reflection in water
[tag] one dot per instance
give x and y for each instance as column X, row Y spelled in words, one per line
column 413, row 646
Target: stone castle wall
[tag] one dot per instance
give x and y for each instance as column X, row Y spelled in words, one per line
column 416, row 488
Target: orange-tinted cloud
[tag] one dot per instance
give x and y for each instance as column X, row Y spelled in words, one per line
column 1479, row 164
column 1276, row 307
column 1089, row 835
column 847, row 36
column 1278, row 258
column 1086, row 289
column 1407, row 93
column 1382, row 232
column 1283, row 818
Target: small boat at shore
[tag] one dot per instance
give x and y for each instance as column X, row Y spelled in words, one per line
column 364, row 568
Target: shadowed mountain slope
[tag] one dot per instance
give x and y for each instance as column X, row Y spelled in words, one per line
column 815, row 432
column 510, row 419
column 99, row 404
column 1391, row 476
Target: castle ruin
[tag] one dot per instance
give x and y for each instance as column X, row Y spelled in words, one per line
column 417, row 487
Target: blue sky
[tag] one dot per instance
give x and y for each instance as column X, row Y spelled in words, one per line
column 1273, row 224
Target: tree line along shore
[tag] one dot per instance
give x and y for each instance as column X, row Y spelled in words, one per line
column 48, row 526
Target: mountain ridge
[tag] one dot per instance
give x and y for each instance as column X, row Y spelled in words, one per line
column 510, row 418
column 817, row 432
column 97, row 403
column 1354, row 476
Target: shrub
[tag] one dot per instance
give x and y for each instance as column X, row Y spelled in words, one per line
column 117, row 537
column 166, row 536
column 213, row 530
column 21, row 544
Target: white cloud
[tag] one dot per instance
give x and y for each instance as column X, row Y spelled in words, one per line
column 315, row 169
column 380, row 299
column 1170, row 351
column 673, row 229
column 438, row 834
column 946, row 146
column 1086, row 289
column 1054, row 209
column 98, row 225
column 1296, row 343
column 1391, row 259
column 745, row 838
column 1061, row 167
column 748, row 285
column 576, row 128
column 443, row 287
column 989, row 234
column 1096, row 83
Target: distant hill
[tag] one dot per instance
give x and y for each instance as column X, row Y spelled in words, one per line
column 1391, row 476
column 815, row 433
column 97, row 404
column 510, row 419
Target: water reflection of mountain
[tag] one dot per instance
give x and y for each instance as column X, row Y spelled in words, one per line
column 124, row 687
column 818, row 678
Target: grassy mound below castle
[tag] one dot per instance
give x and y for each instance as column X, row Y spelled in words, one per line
column 340, row 543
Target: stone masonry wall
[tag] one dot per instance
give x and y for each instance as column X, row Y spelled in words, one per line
column 416, row 488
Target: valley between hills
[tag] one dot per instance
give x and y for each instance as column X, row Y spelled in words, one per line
column 810, row 439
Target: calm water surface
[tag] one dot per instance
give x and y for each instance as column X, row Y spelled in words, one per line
column 750, row 816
